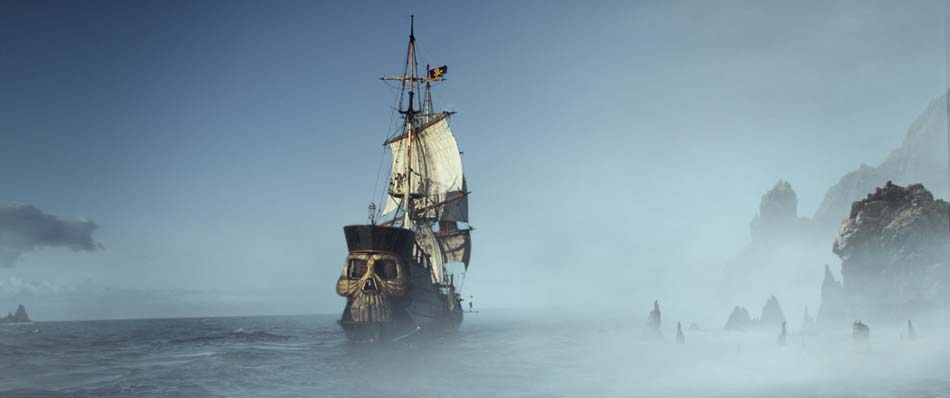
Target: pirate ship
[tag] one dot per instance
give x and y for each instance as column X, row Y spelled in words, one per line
column 396, row 278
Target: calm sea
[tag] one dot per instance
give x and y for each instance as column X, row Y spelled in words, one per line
column 493, row 355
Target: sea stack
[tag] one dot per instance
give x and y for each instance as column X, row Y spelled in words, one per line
column 19, row 316
column 860, row 335
column 680, row 339
column 653, row 322
column 783, row 336
column 833, row 308
column 772, row 314
column 860, row 331
column 739, row 319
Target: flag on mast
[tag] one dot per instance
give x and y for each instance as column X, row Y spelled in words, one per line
column 436, row 73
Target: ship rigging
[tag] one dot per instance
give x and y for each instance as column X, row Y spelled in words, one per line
column 395, row 277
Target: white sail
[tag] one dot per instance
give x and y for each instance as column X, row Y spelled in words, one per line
column 428, row 242
column 436, row 166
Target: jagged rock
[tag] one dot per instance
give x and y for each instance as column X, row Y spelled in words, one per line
column 838, row 199
column 739, row 319
column 833, row 301
column 895, row 253
column 20, row 316
column 680, row 338
column 781, row 242
column 772, row 313
column 778, row 214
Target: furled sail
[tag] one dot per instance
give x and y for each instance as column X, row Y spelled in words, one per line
column 427, row 240
column 436, row 169
column 455, row 206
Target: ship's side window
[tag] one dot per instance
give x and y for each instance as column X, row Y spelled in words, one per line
column 386, row 269
column 356, row 268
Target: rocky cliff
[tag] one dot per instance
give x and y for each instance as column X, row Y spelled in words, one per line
column 921, row 158
column 895, row 253
column 785, row 248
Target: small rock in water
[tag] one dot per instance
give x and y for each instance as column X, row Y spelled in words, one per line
column 860, row 331
column 653, row 323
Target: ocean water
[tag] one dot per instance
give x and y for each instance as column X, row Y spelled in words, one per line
column 507, row 354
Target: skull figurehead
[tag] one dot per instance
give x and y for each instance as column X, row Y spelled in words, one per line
column 371, row 281
column 376, row 275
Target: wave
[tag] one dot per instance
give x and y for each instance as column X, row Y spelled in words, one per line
column 239, row 334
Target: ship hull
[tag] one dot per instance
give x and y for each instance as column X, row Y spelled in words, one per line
column 423, row 314
column 385, row 332
column 390, row 294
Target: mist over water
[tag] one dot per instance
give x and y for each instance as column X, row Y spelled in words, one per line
column 182, row 160
column 499, row 354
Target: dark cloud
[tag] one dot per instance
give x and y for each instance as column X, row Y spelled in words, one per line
column 24, row 228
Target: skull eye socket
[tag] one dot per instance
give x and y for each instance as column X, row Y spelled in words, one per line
column 356, row 268
column 386, row 269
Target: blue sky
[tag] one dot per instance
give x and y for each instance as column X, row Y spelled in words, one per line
column 223, row 144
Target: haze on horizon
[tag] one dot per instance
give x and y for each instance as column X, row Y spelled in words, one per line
column 616, row 152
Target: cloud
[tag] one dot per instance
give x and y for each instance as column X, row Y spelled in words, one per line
column 25, row 228
column 15, row 286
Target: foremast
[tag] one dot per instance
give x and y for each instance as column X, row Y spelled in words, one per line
column 427, row 190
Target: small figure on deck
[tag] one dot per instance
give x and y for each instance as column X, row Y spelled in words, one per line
column 680, row 339
column 911, row 334
column 783, row 336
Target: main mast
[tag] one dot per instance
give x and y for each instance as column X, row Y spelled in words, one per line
column 436, row 174
column 410, row 82
column 410, row 116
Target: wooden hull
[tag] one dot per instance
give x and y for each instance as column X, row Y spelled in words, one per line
column 390, row 294
column 422, row 321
